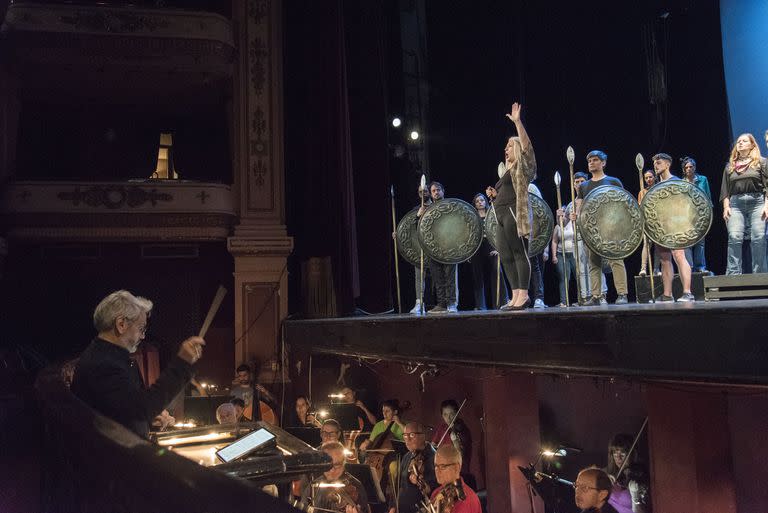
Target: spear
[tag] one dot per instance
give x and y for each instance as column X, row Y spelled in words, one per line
column 498, row 265
column 422, row 186
column 394, row 241
column 640, row 163
column 570, row 156
column 562, row 237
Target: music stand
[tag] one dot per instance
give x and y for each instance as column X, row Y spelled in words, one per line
column 308, row 435
column 346, row 415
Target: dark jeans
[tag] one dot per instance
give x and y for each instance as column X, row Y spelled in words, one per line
column 484, row 274
column 536, row 289
column 444, row 278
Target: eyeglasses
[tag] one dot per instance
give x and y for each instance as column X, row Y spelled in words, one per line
column 444, row 466
column 326, row 434
column 413, row 434
column 583, row 488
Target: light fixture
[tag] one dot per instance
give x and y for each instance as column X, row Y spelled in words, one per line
column 396, row 122
column 414, row 135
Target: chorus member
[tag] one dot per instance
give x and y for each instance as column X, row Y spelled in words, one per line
column 417, row 471
column 444, row 276
column 695, row 254
column 536, row 287
column 106, row 378
column 457, row 435
column 662, row 163
column 420, row 280
column 593, row 489
column 510, row 199
column 629, row 493
column 390, row 424
column 304, row 417
column 562, row 242
column 596, row 162
column 452, row 490
column 351, row 494
column 649, row 180
column 745, row 206
column 484, row 271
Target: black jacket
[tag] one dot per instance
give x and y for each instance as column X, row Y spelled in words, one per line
column 107, row 380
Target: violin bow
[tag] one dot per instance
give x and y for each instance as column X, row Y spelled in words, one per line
column 452, row 421
column 629, row 452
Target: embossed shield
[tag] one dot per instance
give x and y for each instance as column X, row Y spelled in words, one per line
column 450, row 231
column 407, row 238
column 610, row 222
column 677, row 214
column 542, row 227
column 541, row 230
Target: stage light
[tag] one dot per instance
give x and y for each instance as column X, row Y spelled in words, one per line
column 322, row 414
column 414, row 135
column 396, row 122
column 336, row 396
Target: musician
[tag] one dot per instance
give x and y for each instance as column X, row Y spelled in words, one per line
column 226, row 413
column 483, row 264
column 444, row 276
column 390, row 409
column 244, row 386
column 303, row 417
column 331, row 431
column 596, row 161
column 745, row 206
column 695, row 255
column 453, row 495
column 662, row 163
column 351, row 498
column 649, row 180
column 349, row 396
column 106, row 377
column 458, row 436
column 630, row 492
column 593, row 489
column 417, row 470
column 514, row 216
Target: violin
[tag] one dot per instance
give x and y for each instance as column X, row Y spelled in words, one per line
column 446, row 500
column 336, row 500
column 416, row 469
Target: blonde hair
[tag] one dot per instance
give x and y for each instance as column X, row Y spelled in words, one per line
column 754, row 153
column 517, row 149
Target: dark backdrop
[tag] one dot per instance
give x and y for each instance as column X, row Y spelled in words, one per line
column 623, row 78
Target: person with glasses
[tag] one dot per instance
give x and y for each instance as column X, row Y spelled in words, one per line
column 593, row 489
column 331, row 431
column 630, row 492
column 453, row 494
column 348, row 496
column 107, row 379
column 417, row 471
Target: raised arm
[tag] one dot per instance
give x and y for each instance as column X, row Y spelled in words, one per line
column 514, row 116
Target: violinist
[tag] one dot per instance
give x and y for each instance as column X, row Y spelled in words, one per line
column 457, row 435
column 630, row 493
column 348, row 496
column 593, row 489
column 390, row 426
column 417, row 471
column 453, row 495
column 304, row 417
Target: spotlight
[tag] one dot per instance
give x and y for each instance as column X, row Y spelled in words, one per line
column 396, row 122
column 414, row 135
column 322, row 414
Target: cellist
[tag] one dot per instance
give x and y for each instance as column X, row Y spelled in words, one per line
column 390, row 426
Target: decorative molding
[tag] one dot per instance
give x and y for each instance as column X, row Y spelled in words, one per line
column 118, row 234
column 261, row 246
column 114, row 196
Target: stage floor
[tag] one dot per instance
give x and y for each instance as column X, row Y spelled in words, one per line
column 718, row 341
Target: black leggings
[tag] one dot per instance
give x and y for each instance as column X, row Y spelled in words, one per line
column 513, row 250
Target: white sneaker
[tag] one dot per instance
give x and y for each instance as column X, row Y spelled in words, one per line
column 416, row 309
column 687, row 297
column 539, row 304
column 453, row 308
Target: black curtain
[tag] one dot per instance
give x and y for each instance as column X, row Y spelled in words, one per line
column 336, row 155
